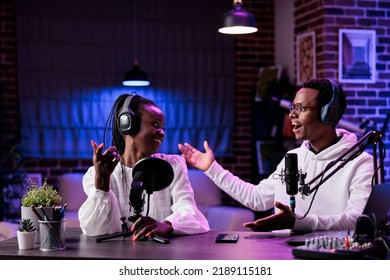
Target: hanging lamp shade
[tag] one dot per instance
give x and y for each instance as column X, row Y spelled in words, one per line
column 238, row 21
column 136, row 77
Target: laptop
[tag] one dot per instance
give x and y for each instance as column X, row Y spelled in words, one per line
column 378, row 204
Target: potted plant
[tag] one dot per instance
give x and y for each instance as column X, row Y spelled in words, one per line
column 43, row 198
column 26, row 234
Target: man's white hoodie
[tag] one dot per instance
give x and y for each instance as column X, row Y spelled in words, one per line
column 338, row 202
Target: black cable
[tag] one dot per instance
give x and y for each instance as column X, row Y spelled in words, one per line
column 147, row 206
column 381, row 163
column 315, row 192
column 384, row 243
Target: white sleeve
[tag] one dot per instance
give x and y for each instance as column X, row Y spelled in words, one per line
column 186, row 217
column 99, row 214
column 259, row 197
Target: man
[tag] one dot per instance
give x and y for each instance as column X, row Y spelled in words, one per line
column 336, row 205
column 137, row 126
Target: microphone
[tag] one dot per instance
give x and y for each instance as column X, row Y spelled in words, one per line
column 155, row 174
column 291, row 177
column 136, row 194
column 150, row 174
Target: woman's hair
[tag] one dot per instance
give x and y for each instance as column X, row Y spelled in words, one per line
column 137, row 105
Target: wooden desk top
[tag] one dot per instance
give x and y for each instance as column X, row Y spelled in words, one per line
column 250, row 246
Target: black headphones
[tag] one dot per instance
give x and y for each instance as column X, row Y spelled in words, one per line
column 330, row 113
column 126, row 122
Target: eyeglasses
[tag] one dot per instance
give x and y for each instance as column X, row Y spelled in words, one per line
column 299, row 108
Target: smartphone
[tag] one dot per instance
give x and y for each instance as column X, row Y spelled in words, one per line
column 160, row 239
column 226, row 238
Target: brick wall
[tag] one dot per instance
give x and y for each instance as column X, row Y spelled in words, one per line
column 9, row 114
column 369, row 101
column 252, row 51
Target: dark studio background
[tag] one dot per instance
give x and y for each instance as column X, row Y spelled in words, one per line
column 62, row 63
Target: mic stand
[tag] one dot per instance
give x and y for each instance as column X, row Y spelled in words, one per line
column 137, row 204
column 137, row 201
column 353, row 152
column 125, row 229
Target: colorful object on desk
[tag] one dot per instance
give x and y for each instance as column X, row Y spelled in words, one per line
column 55, row 231
column 59, row 213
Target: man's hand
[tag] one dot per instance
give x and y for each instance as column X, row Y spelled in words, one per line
column 284, row 219
column 196, row 158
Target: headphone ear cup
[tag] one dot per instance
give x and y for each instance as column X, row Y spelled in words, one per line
column 330, row 113
column 126, row 117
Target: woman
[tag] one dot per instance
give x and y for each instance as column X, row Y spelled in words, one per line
column 137, row 132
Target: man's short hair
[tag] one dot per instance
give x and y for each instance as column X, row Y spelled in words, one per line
column 325, row 93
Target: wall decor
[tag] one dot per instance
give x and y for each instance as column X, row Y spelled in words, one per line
column 357, row 56
column 306, row 56
column 267, row 76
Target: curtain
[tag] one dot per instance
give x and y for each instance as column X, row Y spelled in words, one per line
column 72, row 56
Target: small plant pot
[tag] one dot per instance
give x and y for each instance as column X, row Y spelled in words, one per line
column 26, row 239
column 28, row 213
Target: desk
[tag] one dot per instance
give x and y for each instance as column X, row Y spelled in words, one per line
column 250, row 246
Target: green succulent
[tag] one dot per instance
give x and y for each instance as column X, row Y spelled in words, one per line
column 26, row 225
column 45, row 196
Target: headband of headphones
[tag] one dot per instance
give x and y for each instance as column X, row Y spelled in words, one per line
column 331, row 112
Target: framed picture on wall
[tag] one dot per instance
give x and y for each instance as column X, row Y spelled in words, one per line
column 267, row 76
column 306, row 56
column 357, row 56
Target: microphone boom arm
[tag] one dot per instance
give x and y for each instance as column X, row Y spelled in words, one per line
column 354, row 151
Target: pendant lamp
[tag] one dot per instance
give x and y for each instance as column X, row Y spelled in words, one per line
column 238, row 20
column 136, row 77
